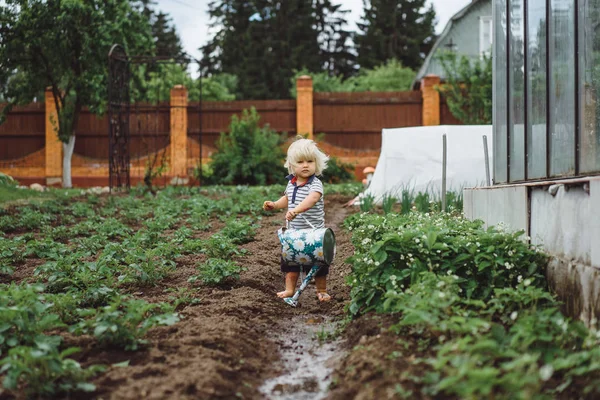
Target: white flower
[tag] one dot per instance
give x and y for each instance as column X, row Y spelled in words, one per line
column 546, row 372
column 417, row 240
column 440, row 284
column 514, row 315
column 311, row 237
column 441, row 295
column 298, row 245
column 527, row 282
column 318, row 252
column 519, row 278
column 296, row 234
column 287, row 254
column 302, row 258
column 377, row 263
column 366, row 241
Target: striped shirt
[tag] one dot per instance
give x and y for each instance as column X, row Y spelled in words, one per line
column 296, row 193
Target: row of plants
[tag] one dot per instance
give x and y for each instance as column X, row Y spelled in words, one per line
column 471, row 307
column 406, row 200
column 90, row 254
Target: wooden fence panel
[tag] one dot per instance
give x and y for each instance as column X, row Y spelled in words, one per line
column 355, row 120
column 149, row 126
column 23, row 132
column 446, row 117
column 216, row 118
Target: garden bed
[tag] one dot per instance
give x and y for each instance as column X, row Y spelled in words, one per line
column 225, row 342
column 173, row 296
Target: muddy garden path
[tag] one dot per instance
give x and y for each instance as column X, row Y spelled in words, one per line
column 237, row 337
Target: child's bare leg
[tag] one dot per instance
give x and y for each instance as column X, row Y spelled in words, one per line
column 291, row 278
column 321, row 283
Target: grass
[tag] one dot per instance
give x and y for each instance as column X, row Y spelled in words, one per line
column 10, row 195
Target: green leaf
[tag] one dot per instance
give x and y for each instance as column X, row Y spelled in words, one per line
column 122, row 364
column 86, row 387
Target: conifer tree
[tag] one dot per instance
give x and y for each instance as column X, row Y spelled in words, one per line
column 400, row 29
column 263, row 42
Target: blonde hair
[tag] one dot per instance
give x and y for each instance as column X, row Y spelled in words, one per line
column 305, row 149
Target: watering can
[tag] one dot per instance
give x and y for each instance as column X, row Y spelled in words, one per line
column 307, row 247
column 313, row 247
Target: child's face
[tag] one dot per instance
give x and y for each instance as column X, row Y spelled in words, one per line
column 304, row 168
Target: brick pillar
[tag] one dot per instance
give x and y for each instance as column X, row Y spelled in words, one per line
column 53, row 146
column 179, row 125
column 304, row 106
column 431, row 100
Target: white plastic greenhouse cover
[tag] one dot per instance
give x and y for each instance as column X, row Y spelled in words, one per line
column 411, row 158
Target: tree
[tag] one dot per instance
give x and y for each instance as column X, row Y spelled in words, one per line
column 64, row 45
column 262, row 42
column 391, row 77
column 400, row 29
column 154, row 83
column 166, row 39
column 468, row 88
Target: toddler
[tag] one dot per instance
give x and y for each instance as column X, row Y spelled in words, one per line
column 304, row 200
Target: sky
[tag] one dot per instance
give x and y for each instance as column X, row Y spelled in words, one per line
column 191, row 19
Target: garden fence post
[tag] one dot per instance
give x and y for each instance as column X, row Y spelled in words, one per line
column 304, row 106
column 431, row 100
column 444, row 168
column 178, row 134
column 53, row 147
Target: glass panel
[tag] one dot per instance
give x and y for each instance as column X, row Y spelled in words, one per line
column 536, row 90
column 562, row 88
column 589, row 42
column 516, row 76
column 499, row 83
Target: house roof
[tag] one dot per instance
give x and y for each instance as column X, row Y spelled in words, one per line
column 439, row 40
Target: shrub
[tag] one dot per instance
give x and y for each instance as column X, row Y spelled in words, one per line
column 248, row 154
column 338, row 171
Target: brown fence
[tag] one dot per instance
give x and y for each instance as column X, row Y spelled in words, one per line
column 351, row 124
column 23, row 131
column 354, row 120
column 446, row 117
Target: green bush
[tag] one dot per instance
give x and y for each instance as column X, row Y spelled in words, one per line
column 248, row 154
column 7, row 180
column 338, row 171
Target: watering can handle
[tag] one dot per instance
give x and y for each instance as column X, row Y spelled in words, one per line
column 287, row 223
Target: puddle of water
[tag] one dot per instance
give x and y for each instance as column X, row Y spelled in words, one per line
column 306, row 373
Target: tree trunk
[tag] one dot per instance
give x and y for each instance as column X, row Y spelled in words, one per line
column 67, row 155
